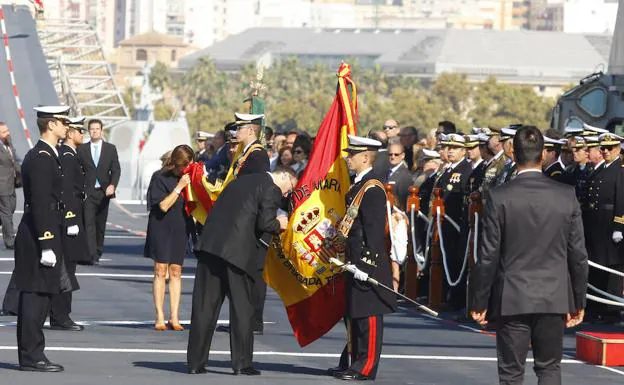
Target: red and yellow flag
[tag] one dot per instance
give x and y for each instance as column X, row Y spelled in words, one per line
column 299, row 271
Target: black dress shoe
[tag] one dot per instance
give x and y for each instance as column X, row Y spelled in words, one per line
column 336, row 370
column 250, row 371
column 4, row 313
column 223, row 328
column 258, row 332
column 352, row 375
column 42, row 366
column 70, row 327
column 198, row 371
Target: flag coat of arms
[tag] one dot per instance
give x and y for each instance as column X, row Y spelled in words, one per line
column 298, row 268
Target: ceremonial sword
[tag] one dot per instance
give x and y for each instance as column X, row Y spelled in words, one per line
column 374, row 282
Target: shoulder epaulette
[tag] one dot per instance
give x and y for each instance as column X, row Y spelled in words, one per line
column 555, row 173
column 69, row 153
column 45, row 152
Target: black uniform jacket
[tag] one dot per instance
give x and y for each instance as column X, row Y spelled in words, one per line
column 366, row 248
column 245, row 209
column 41, row 227
column 256, row 161
column 604, row 213
column 454, row 184
column 555, row 172
column 532, row 256
column 75, row 247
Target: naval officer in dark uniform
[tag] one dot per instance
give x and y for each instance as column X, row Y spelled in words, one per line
column 366, row 249
column 74, row 238
column 227, row 251
column 551, row 163
column 454, row 184
column 40, row 270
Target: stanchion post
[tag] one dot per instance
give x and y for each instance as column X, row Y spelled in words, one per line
column 475, row 207
column 436, row 274
column 411, row 270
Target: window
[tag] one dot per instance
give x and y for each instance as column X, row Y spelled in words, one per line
column 594, row 102
column 141, row 55
column 574, row 122
column 173, row 55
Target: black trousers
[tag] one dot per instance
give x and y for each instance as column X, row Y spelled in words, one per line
column 259, row 297
column 366, row 342
column 10, row 303
column 514, row 336
column 95, row 216
column 60, row 304
column 31, row 315
column 215, row 280
column 7, row 208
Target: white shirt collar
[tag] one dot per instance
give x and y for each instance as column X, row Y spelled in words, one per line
column 610, row 163
column 453, row 165
column 51, row 146
column 530, row 170
column 361, row 175
column 476, row 164
column 393, row 169
column 599, row 164
column 563, row 166
column 247, row 146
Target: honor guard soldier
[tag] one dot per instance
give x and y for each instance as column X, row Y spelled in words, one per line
column 606, row 224
column 454, row 184
column 551, row 163
column 366, row 249
column 202, row 154
column 491, row 144
column 577, row 173
column 75, row 247
column 509, row 171
column 40, row 270
column 473, row 153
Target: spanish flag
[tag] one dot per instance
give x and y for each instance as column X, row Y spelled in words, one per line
column 298, row 269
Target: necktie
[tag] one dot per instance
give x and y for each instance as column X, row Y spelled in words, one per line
column 96, row 154
column 96, row 159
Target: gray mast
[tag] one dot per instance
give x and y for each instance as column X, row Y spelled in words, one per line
column 616, row 57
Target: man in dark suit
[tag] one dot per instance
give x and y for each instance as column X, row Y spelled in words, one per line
column 9, row 169
column 533, row 266
column 101, row 164
column 366, row 249
column 218, row 166
column 227, row 265
column 74, row 238
column 40, row 269
column 399, row 175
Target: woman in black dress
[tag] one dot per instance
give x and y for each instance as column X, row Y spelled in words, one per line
column 168, row 231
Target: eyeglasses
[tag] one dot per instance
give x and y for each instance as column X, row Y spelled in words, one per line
column 393, row 154
column 389, row 127
column 606, row 148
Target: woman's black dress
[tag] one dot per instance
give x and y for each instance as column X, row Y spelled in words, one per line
column 167, row 233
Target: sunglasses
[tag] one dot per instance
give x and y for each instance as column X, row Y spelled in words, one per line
column 392, row 155
column 389, row 127
column 607, row 148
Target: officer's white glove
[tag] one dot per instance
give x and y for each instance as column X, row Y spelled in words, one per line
column 73, row 230
column 350, row 268
column 360, row 275
column 617, row 236
column 398, row 251
column 48, row 258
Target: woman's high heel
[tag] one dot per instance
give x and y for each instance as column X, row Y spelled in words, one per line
column 175, row 327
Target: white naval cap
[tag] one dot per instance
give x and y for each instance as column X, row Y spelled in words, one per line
column 593, row 129
column 454, row 140
column 592, row 141
column 610, row 139
column 360, row 143
column 508, row 133
column 430, row 154
column 242, row 119
column 202, row 135
column 58, row 112
column 551, row 143
column 572, row 131
column 483, row 137
column 77, row 123
column 471, row 141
